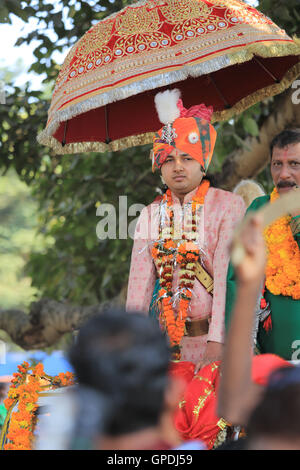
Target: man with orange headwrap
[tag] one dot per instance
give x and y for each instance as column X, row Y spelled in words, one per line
column 180, row 254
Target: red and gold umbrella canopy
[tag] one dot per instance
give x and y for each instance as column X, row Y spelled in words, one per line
column 222, row 53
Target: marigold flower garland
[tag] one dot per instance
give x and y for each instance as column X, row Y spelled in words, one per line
column 166, row 252
column 18, row 428
column 283, row 263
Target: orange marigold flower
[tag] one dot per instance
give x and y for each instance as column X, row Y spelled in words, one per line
column 39, row 369
column 169, row 244
column 283, row 262
column 187, row 252
column 17, row 374
column 8, row 402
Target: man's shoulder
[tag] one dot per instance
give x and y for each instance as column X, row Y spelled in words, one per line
column 155, row 203
column 219, row 195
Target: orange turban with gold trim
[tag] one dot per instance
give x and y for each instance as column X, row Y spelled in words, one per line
column 188, row 130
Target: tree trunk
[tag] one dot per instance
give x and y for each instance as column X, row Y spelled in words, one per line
column 244, row 164
column 47, row 321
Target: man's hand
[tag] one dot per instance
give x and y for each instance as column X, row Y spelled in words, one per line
column 213, row 352
column 252, row 267
column 237, row 393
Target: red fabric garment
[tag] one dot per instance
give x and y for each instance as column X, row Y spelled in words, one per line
column 184, row 370
column 196, row 416
column 264, row 364
column 200, row 110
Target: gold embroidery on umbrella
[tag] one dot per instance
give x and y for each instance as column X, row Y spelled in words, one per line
column 180, row 10
column 64, row 71
column 137, row 21
column 139, row 31
column 91, row 50
column 192, row 19
column 140, row 43
column 95, row 38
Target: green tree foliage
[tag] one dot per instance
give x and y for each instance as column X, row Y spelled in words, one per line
column 78, row 267
column 18, row 215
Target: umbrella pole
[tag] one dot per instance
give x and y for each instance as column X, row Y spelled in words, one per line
column 107, row 140
column 226, row 104
column 276, row 80
column 63, row 143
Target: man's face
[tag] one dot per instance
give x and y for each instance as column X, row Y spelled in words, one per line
column 285, row 167
column 181, row 172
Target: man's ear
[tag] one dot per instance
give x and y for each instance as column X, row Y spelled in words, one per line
column 174, row 392
column 162, row 180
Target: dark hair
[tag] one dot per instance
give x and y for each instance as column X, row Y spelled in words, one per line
column 125, row 358
column 278, row 413
column 211, row 178
column 286, row 137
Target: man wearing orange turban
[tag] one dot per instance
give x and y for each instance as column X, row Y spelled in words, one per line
column 179, row 266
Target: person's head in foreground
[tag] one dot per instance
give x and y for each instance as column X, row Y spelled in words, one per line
column 285, row 160
column 275, row 422
column 121, row 361
column 183, row 147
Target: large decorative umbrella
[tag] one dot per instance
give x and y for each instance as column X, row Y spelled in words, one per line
column 222, row 53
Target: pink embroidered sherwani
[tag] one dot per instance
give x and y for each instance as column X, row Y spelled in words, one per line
column 222, row 211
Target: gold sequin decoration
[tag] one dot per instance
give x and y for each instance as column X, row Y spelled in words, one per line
column 97, row 57
column 139, row 32
column 140, row 42
column 214, row 366
column 95, row 38
column 133, row 22
column 64, row 71
column 177, row 11
column 222, row 424
column 220, row 439
column 201, row 402
column 181, row 404
column 199, row 377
